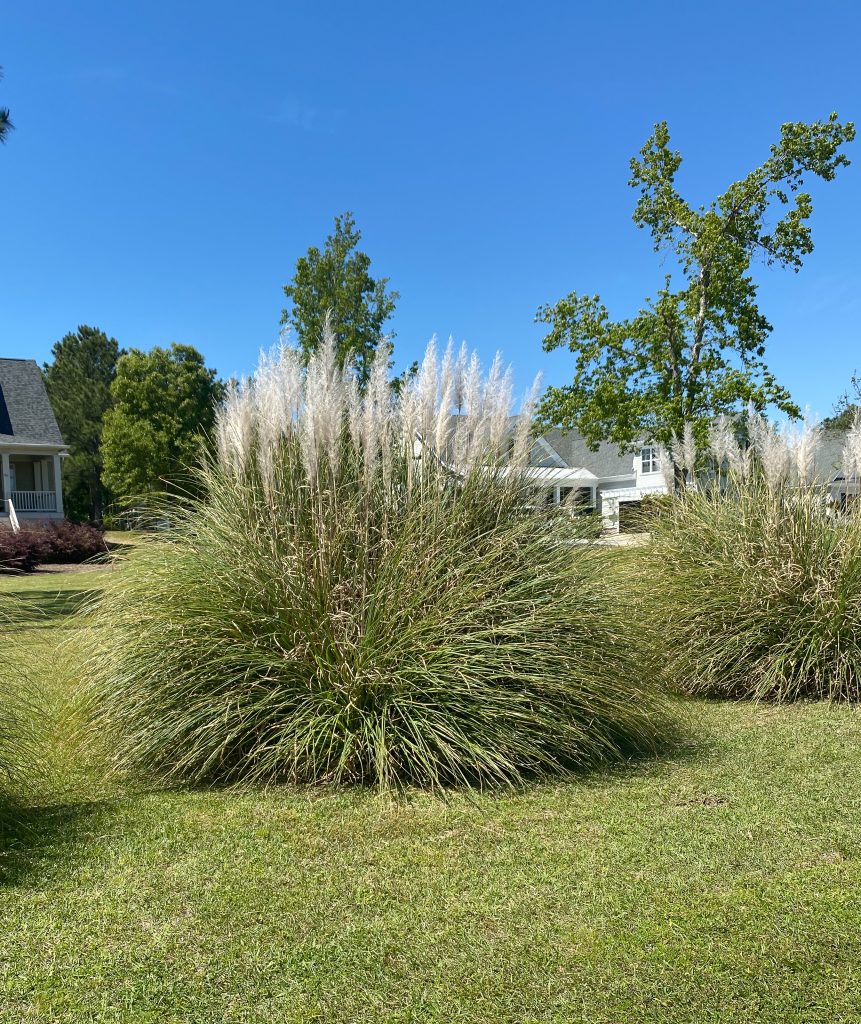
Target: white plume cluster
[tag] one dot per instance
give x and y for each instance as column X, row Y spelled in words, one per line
column 451, row 412
column 770, row 448
column 681, row 452
column 805, row 440
column 781, row 456
column 724, row 445
column 688, row 451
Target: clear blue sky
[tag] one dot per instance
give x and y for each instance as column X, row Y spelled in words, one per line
column 172, row 159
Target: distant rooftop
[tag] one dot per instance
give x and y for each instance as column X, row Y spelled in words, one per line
column 26, row 416
column 605, row 462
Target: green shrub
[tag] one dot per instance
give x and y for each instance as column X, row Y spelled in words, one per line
column 367, row 593
column 652, row 507
column 755, row 592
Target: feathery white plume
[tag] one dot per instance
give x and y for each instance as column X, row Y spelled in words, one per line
column 668, row 466
column 770, row 449
column 688, row 451
column 319, row 405
column 721, row 438
column 804, row 442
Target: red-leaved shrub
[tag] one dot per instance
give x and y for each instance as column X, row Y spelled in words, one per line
column 22, row 551
column 51, row 542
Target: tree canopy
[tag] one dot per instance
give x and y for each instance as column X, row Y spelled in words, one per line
column 337, row 280
column 696, row 349
column 78, row 381
column 163, row 410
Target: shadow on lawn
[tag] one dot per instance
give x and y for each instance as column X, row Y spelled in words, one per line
column 33, row 837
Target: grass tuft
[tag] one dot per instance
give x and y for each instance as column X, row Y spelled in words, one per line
column 756, row 593
column 21, row 721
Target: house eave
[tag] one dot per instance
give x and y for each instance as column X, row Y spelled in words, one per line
column 552, row 474
column 27, row 446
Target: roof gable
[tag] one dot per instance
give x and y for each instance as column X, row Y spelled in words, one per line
column 26, row 416
column 605, row 462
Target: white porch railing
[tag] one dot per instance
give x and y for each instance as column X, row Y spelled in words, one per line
column 34, row 501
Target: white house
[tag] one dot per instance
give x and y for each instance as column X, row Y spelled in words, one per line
column 603, row 480
column 612, row 484
column 31, row 446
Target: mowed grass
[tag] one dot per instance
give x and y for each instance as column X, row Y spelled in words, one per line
column 720, row 883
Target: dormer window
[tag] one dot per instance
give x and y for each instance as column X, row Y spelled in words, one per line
column 650, row 461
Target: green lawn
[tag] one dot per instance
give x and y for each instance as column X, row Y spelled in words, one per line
column 718, row 884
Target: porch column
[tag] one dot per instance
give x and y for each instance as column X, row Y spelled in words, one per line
column 7, row 475
column 58, row 483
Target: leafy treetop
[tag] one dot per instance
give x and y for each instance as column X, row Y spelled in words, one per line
column 163, row 409
column 78, row 381
column 696, row 350
column 338, row 280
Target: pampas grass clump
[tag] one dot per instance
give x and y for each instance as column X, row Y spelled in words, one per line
column 368, row 592
column 19, row 723
column 752, row 586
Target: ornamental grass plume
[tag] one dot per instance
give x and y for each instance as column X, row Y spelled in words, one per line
column 759, row 589
column 769, row 450
column 724, row 447
column 368, row 592
column 804, row 442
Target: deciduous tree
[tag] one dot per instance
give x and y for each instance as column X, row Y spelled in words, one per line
column 338, row 280
column 697, row 348
column 163, row 410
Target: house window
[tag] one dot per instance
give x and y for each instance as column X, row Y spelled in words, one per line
column 650, row 460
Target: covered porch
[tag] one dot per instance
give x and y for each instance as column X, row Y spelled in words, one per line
column 32, row 482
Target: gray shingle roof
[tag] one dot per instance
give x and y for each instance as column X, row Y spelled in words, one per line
column 829, row 457
column 607, row 461
column 574, row 451
column 26, row 416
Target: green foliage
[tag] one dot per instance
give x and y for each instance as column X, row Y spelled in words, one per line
column 6, row 125
column 78, row 381
column 757, row 592
column 162, row 407
column 653, row 506
column 697, row 350
column 338, row 280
